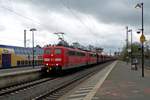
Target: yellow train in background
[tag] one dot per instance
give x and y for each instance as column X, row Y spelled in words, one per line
column 13, row 56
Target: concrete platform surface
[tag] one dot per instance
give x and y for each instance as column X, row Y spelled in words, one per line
column 87, row 89
column 115, row 82
column 125, row 84
column 10, row 71
column 14, row 76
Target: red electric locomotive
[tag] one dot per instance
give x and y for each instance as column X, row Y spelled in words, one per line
column 57, row 58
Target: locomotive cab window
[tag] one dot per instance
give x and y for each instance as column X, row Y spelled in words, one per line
column 57, row 51
column 71, row 53
column 47, row 51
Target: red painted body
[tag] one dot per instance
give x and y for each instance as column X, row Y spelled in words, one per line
column 62, row 58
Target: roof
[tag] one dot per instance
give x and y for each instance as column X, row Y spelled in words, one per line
column 23, row 50
column 8, row 46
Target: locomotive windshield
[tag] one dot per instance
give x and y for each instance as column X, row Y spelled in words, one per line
column 47, row 51
column 57, row 51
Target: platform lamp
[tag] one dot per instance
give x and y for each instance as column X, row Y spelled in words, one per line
column 130, row 30
column 32, row 30
column 142, row 38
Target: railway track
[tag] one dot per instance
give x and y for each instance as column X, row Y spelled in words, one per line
column 50, row 88
column 55, row 93
column 65, row 86
column 19, row 87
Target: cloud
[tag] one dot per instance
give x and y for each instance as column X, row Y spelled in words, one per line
column 114, row 11
column 2, row 28
column 97, row 22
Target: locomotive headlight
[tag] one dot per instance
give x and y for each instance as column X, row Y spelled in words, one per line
column 47, row 64
column 56, row 64
column 57, row 59
column 46, row 59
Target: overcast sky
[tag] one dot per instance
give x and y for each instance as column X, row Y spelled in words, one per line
column 96, row 22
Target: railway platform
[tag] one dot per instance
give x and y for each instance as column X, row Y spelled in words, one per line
column 115, row 82
column 13, row 76
column 11, row 71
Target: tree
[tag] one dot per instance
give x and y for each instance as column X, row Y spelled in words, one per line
column 136, row 51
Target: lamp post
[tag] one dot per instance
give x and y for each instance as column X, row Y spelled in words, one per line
column 32, row 30
column 126, row 37
column 130, row 30
column 142, row 38
column 127, row 58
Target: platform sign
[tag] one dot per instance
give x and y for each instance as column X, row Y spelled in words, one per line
column 142, row 38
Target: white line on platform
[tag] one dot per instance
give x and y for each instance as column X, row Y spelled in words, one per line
column 78, row 95
column 76, row 99
column 86, row 88
column 107, row 70
column 82, row 91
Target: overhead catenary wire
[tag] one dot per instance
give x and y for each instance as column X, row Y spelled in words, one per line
column 42, row 25
column 75, row 15
column 18, row 14
column 32, row 20
column 23, row 16
column 78, row 18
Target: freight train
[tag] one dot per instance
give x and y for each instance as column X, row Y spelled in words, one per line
column 13, row 56
column 59, row 58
